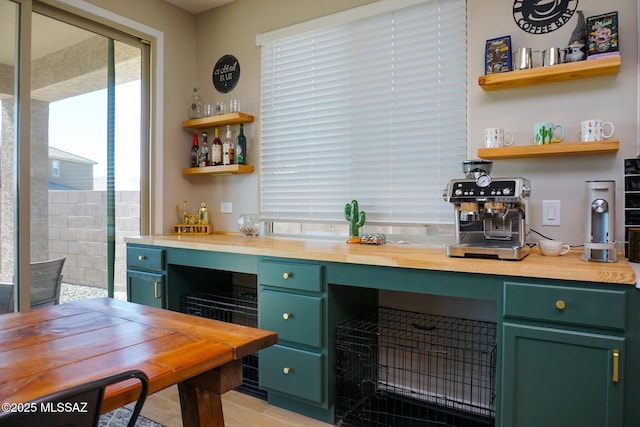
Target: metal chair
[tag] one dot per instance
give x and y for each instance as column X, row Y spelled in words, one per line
column 77, row 406
column 46, row 281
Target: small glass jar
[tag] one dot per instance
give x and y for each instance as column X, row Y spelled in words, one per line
column 249, row 225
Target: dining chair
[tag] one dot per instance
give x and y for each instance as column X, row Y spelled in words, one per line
column 46, row 281
column 78, row 406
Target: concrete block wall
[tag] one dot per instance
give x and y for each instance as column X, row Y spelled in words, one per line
column 78, row 231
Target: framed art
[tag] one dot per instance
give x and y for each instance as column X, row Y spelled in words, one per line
column 498, row 55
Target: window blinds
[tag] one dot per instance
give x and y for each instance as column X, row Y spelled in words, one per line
column 373, row 110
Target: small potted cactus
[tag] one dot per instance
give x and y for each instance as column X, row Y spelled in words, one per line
column 357, row 219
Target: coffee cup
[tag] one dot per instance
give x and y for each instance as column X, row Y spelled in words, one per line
column 544, row 133
column 553, row 247
column 594, row 130
column 497, row 137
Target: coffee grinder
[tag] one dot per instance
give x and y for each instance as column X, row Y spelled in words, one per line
column 600, row 244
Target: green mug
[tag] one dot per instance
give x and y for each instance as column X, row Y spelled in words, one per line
column 544, row 133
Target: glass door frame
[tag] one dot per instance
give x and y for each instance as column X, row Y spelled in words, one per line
column 22, row 108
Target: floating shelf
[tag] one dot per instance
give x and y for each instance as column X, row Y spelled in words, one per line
column 549, row 150
column 219, row 120
column 557, row 73
column 218, row 170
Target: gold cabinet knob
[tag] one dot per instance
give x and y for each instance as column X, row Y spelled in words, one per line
column 141, row 258
column 286, row 316
column 560, row 305
column 286, row 371
column 285, row 276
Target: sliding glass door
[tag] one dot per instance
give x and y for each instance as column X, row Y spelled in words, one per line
column 86, row 136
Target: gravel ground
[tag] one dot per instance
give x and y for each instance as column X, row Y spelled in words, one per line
column 71, row 292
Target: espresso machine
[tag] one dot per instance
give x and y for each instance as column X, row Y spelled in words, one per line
column 490, row 214
column 600, row 244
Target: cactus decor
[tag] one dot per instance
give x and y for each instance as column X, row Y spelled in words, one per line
column 357, row 219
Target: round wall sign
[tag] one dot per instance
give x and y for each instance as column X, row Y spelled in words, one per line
column 543, row 16
column 226, row 74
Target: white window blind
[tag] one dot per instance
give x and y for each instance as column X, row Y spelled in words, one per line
column 373, row 110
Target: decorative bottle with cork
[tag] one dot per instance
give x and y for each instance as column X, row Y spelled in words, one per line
column 203, row 156
column 241, row 147
column 228, row 149
column 216, row 149
column 194, row 151
column 195, row 108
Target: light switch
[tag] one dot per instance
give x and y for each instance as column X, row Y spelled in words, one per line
column 551, row 212
column 226, row 207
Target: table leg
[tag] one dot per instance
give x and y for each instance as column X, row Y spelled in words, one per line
column 200, row 396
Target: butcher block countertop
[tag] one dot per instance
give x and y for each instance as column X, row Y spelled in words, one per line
column 431, row 257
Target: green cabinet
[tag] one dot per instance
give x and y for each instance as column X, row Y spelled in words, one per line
column 567, row 350
column 146, row 276
column 563, row 356
column 292, row 302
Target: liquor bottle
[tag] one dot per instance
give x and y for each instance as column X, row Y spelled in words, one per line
column 194, row 151
column 216, row 149
column 241, row 147
column 203, row 156
column 228, row 149
column 195, row 108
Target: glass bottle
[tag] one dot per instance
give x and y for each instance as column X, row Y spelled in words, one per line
column 241, row 147
column 203, row 156
column 216, row 149
column 194, row 151
column 203, row 214
column 195, row 108
column 228, row 149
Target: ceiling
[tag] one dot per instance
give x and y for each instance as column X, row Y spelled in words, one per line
column 197, row 6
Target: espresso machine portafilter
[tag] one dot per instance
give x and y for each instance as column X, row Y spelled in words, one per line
column 600, row 244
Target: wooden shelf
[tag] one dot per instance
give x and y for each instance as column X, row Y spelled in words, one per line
column 220, row 120
column 217, row 170
column 549, row 150
column 556, row 73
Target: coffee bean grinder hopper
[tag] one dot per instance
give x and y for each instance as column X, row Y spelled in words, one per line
column 600, row 244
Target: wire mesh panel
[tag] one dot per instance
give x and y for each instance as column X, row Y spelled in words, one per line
column 237, row 305
column 396, row 367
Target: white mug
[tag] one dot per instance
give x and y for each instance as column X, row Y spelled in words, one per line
column 495, row 137
column 594, row 130
column 553, row 247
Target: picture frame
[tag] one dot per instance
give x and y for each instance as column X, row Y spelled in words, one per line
column 497, row 55
column 602, row 35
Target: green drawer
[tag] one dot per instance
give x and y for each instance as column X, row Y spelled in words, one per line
column 145, row 258
column 291, row 371
column 296, row 318
column 564, row 304
column 304, row 277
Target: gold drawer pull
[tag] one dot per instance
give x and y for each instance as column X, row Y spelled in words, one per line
column 286, row 316
column 285, row 276
column 286, row 371
column 560, row 305
column 141, row 257
column 616, row 362
column 156, row 289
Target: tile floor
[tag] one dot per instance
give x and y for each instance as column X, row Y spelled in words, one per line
column 240, row 410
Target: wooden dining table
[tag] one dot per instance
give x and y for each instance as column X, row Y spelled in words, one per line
column 49, row 349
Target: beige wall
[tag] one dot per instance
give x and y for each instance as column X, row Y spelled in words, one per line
column 609, row 98
column 194, row 43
